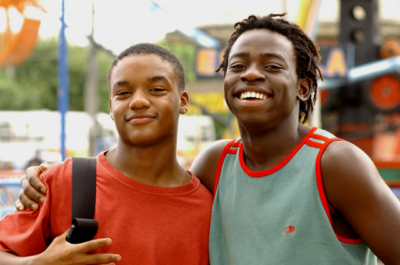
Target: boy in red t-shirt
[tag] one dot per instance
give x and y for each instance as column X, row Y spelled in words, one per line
column 153, row 210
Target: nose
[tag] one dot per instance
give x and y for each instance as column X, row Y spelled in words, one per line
column 252, row 73
column 139, row 100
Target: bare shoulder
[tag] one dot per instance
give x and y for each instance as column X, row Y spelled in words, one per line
column 356, row 191
column 347, row 169
column 206, row 163
column 345, row 158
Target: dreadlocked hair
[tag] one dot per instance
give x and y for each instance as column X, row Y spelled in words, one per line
column 306, row 52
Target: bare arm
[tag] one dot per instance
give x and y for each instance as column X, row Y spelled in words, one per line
column 206, row 163
column 356, row 191
column 60, row 252
column 33, row 190
column 8, row 258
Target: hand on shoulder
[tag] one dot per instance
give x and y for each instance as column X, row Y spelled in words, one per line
column 33, row 190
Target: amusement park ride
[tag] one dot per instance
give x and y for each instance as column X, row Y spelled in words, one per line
column 19, row 27
column 360, row 94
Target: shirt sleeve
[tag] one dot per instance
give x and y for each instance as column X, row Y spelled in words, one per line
column 26, row 233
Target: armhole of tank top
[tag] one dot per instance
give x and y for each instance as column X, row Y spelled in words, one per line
column 321, row 190
column 221, row 162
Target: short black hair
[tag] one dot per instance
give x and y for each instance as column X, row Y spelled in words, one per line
column 150, row 48
column 306, row 51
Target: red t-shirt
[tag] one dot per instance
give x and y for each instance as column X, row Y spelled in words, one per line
column 147, row 224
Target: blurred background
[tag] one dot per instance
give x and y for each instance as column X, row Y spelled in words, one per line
column 54, row 57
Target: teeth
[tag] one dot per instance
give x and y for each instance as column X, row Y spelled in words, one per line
column 258, row 95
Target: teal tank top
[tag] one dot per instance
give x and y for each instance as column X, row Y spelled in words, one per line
column 280, row 215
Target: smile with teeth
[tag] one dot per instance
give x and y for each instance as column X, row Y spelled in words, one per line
column 253, row 95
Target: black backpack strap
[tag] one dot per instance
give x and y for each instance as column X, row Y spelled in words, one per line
column 83, row 187
column 84, row 227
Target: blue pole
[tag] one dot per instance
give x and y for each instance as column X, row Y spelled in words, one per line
column 63, row 93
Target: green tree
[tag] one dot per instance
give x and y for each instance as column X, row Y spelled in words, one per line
column 35, row 83
column 16, row 96
column 186, row 53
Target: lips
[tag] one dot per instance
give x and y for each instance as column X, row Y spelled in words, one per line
column 140, row 118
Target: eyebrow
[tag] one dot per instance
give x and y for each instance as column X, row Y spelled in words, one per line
column 273, row 55
column 120, row 83
column 239, row 54
column 157, row 78
column 150, row 79
column 265, row 55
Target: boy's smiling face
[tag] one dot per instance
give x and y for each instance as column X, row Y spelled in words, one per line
column 261, row 84
column 145, row 99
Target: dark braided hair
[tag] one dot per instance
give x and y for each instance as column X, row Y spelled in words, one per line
column 149, row 48
column 306, row 52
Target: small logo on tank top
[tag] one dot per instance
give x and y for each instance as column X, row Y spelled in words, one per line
column 289, row 229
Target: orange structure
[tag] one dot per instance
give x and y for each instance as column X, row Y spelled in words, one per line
column 19, row 27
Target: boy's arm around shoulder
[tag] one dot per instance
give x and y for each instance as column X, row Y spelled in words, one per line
column 206, row 163
column 356, row 191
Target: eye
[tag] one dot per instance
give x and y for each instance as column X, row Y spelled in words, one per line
column 237, row 66
column 157, row 89
column 123, row 93
column 273, row 67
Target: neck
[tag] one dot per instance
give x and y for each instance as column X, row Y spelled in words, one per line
column 266, row 147
column 153, row 164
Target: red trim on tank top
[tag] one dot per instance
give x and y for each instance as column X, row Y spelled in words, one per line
column 321, row 190
column 320, row 137
column 232, row 151
column 221, row 162
column 311, row 143
column 235, row 144
column 258, row 174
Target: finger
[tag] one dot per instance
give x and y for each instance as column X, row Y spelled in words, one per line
column 45, row 165
column 93, row 244
column 62, row 237
column 24, row 181
column 102, row 258
column 27, row 202
column 19, row 206
column 34, row 194
column 32, row 174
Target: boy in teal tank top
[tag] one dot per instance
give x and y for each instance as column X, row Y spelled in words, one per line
column 286, row 193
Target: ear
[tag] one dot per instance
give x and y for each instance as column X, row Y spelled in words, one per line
column 304, row 89
column 184, row 102
column 111, row 112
